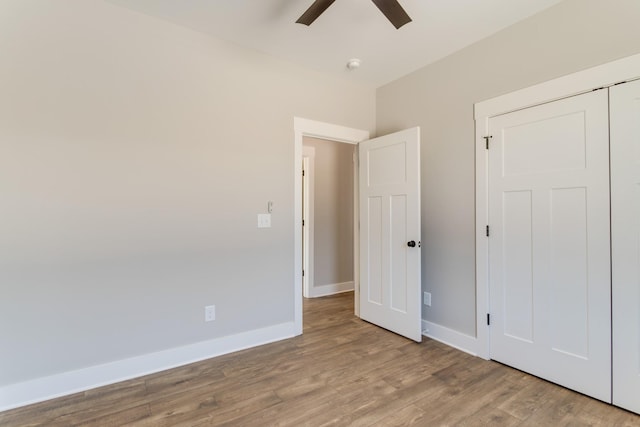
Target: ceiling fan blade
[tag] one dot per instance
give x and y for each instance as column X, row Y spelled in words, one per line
column 315, row 10
column 393, row 11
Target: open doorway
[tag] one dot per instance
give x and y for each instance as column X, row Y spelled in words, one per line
column 387, row 191
column 309, row 128
column 328, row 212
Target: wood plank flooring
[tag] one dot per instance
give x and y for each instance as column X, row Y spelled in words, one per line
column 341, row 372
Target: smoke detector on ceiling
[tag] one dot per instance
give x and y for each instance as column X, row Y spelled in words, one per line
column 353, row 64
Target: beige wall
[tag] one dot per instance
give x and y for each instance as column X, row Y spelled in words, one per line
column 333, row 211
column 135, row 156
column 571, row 36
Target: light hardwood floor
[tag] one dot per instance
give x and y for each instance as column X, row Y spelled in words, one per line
column 341, row 372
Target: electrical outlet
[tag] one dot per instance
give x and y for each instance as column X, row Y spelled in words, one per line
column 427, row 299
column 210, row 313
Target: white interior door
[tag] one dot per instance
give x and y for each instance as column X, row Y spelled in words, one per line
column 389, row 189
column 625, row 241
column 549, row 242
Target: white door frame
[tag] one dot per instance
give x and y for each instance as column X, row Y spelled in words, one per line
column 574, row 84
column 305, row 127
column 308, row 157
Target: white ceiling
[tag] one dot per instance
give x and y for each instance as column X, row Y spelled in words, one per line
column 348, row 29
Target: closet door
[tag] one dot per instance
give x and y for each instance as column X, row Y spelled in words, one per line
column 625, row 243
column 549, row 258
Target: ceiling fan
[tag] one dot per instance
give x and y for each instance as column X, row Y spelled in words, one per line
column 390, row 8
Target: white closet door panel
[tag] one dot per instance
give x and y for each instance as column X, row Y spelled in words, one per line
column 549, row 244
column 625, row 229
column 568, row 269
column 518, row 265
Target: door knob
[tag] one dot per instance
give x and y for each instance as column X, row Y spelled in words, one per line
column 411, row 244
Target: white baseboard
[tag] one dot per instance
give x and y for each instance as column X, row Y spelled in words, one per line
column 450, row 337
column 331, row 289
column 45, row 388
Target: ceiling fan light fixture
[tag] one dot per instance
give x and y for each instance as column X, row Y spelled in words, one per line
column 353, row 64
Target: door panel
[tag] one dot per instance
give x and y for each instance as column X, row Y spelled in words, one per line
column 530, row 143
column 568, row 270
column 625, row 228
column 389, row 218
column 373, row 285
column 518, row 283
column 549, row 242
column 398, row 262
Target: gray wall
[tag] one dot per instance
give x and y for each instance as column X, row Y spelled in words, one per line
column 333, row 211
column 135, row 156
column 569, row 37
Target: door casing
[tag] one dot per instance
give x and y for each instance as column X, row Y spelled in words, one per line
column 307, row 217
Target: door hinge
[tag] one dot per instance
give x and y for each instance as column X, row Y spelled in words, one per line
column 486, row 140
column 487, row 231
column 302, row 172
column 488, row 319
column 302, row 273
column 303, row 222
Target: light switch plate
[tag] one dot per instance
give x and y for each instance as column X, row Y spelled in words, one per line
column 264, row 220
